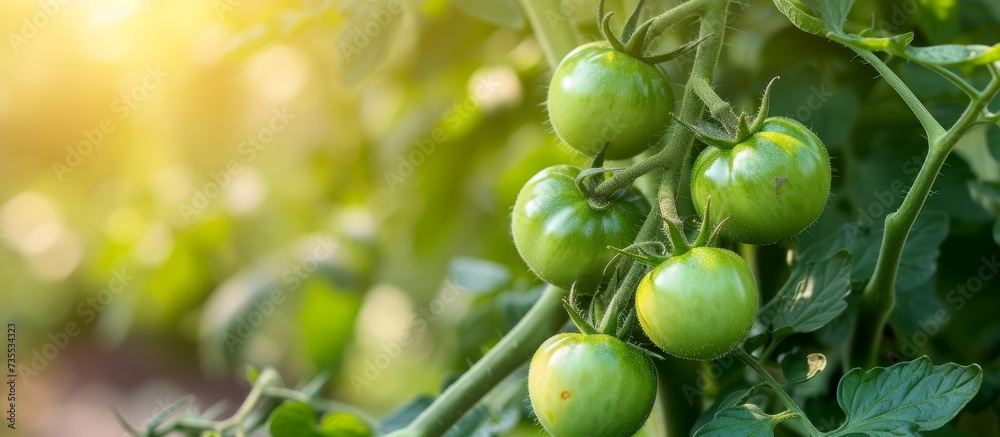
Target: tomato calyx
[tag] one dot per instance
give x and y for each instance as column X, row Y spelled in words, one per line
column 636, row 37
column 679, row 244
column 588, row 180
column 732, row 132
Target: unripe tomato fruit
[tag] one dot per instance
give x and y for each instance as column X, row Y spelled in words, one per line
column 773, row 185
column 562, row 237
column 591, row 385
column 600, row 95
column 699, row 305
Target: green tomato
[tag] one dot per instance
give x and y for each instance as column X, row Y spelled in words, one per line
column 591, row 385
column 773, row 185
column 562, row 237
column 699, row 305
column 600, row 95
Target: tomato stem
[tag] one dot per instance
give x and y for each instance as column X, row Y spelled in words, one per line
column 931, row 126
column 880, row 293
column 544, row 319
column 778, row 390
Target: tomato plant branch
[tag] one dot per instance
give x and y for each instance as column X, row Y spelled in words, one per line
column 879, row 296
column 718, row 108
column 675, row 153
column 931, row 126
column 268, row 378
column 619, row 302
column 677, row 14
column 678, row 149
column 544, row 319
column 265, row 396
column 779, row 391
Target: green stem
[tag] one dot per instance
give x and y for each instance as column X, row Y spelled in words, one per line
column 879, row 296
column 681, row 12
column 931, row 126
column 635, row 273
column 556, row 32
column 541, row 322
column 719, row 109
column 678, row 149
column 675, row 153
column 779, row 391
column 268, row 378
column 771, row 346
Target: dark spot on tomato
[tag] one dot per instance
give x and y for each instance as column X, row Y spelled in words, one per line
column 777, row 185
column 564, row 395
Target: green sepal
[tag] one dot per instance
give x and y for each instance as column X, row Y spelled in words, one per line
column 581, row 323
column 668, row 55
column 633, row 20
column 707, row 234
column 703, row 134
column 678, row 242
column 625, row 331
column 609, row 34
column 762, row 111
column 638, row 257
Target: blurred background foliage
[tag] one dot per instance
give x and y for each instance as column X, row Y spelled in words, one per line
column 319, row 185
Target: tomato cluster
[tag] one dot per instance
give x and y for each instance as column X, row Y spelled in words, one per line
column 699, row 303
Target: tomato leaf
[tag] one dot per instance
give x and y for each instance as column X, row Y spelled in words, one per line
column 993, row 141
column 505, row 13
column 798, row 367
column 812, row 297
column 915, row 306
column 996, row 232
column 827, row 18
column 478, row 276
column 905, row 398
column 987, row 194
column 366, row 37
column 743, row 420
column 896, row 44
column 801, row 17
column 953, row 55
column 293, row 419
column 402, row 417
column 343, row 425
column 833, row 13
column 920, row 254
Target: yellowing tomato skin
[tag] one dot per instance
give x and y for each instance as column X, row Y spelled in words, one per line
column 591, row 385
column 772, row 186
